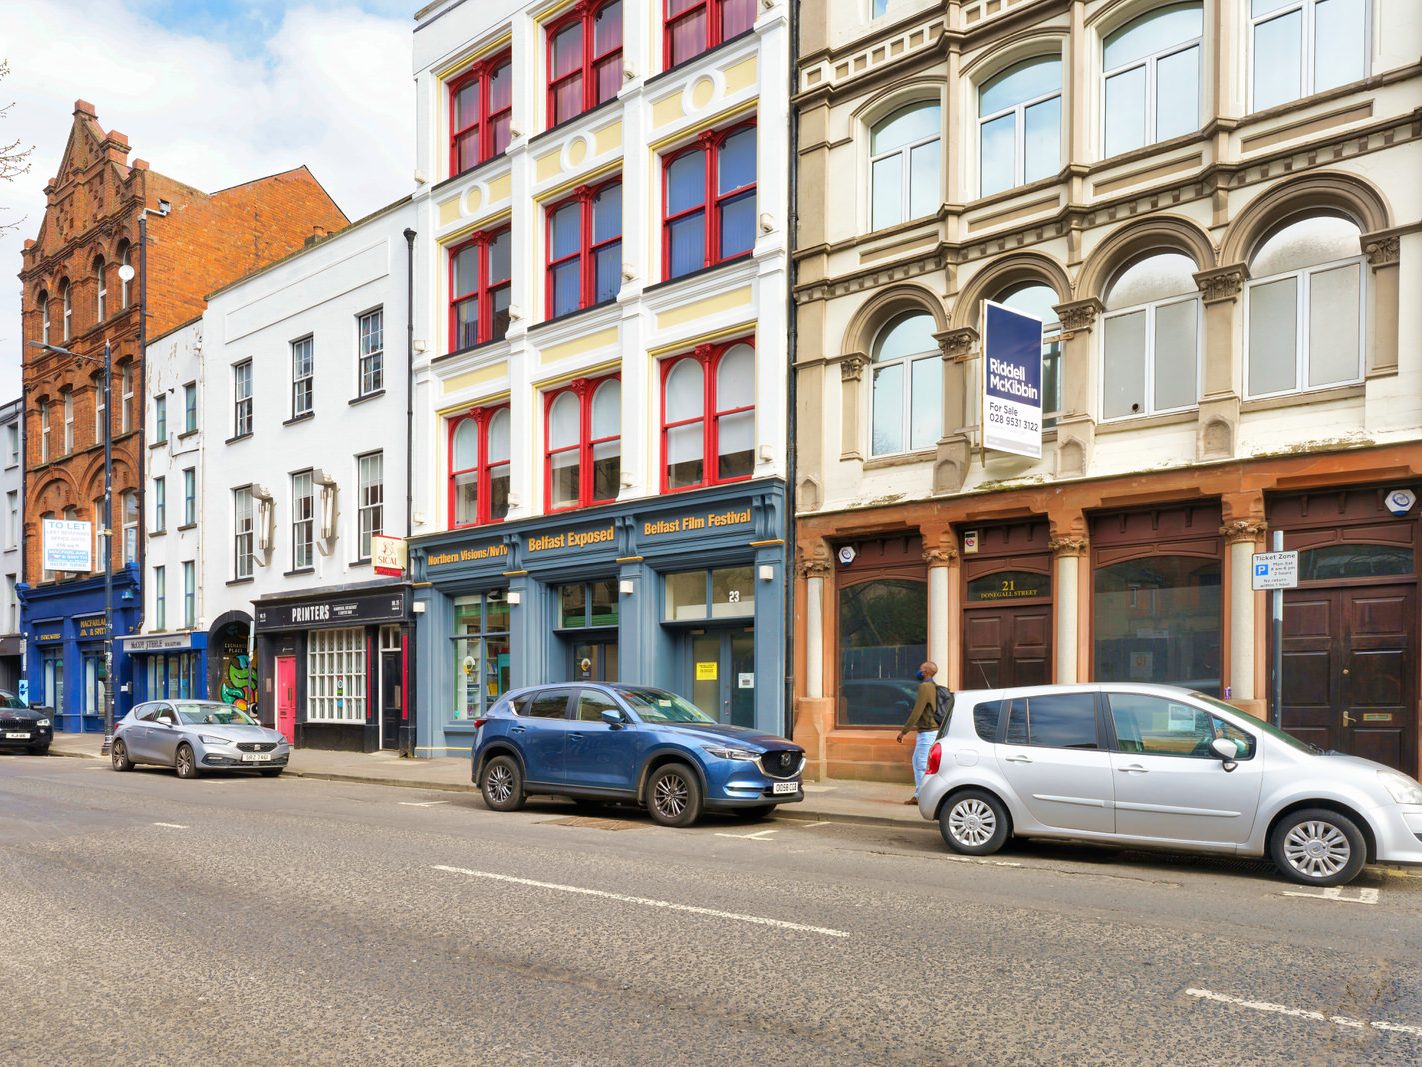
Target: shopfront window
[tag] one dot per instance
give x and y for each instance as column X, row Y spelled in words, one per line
column 173, row 677
column 723, row 593
column 52, row 668
column 1158, row 619
column 587, row 604
column 883, row 638
column 335, row 680
column 481, row 653
column 1332, row 562
column 94, row 683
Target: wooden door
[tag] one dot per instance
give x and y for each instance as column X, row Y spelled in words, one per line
column 286, row 697
column 1007, row 646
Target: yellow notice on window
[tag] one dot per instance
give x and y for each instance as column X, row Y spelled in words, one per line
column 706, row 672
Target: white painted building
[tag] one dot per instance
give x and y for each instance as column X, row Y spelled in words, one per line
column 12, row 499
column 603, row 352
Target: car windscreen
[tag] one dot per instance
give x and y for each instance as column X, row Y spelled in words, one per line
column 657, row 705
column 1259, row 724
column 10, row 700
column 213, row 715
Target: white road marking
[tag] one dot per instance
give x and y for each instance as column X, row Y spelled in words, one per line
column 1365, row 895
column 758, row 835
column 1304, row 1013
column 421, row 803
column 760, row 920
column 983, row 862
column 171, row 825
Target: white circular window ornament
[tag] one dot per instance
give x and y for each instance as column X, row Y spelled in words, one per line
column 1400, row 501
column 847, row 554
column 469, row 666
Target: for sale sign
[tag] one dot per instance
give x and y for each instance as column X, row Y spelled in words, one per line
column 1012, row 381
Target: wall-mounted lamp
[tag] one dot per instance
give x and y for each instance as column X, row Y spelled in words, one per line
column 767, row 222
column 625, row 586
column 515, row 597
column 766, row 572
column 419, row 607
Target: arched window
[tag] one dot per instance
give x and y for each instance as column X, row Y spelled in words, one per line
column 479, row 446
column 42, row 302
column 101, row 288
column 1305, row 308
column 708, row 410
column 125, row 258
column 905, row 151
column 1303, row 47
column 908, row 386
column 1036, row 299
column 1151, row 352
column 66, row 299
column 584, row 444
column 1151, row 79
column 1020, row 125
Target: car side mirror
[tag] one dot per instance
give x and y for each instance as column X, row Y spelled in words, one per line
column 613, row 718
column 1226, row 751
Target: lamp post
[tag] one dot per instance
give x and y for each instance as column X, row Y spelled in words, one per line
column 108, row 531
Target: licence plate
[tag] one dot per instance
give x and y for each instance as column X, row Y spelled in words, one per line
column 256, row 757
column 11, row 735
column 785, row 787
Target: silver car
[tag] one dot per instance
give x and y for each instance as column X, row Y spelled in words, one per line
column 1157, row 766
column 193, row 735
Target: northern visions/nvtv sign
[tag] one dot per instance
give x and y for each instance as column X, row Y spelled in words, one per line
column 1012, row 381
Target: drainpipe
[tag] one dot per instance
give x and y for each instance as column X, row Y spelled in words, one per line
column 792, row 379
column 407, row 729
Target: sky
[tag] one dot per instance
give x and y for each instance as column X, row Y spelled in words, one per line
column 211, row 93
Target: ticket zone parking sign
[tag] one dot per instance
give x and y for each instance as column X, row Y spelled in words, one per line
column 1012, row 381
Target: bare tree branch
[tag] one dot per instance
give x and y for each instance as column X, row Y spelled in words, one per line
column 14, row 155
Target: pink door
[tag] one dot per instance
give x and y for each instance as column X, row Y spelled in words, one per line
column 286, row 696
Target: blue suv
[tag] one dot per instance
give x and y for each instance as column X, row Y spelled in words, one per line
column 630, row 743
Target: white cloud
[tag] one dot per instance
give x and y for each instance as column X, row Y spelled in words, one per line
column 333, row 90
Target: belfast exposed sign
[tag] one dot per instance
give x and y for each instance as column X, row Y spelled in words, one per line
column 1012, row 381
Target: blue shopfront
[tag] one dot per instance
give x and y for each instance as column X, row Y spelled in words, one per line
column 171, row 666
column 65, row 627
column 685, row 591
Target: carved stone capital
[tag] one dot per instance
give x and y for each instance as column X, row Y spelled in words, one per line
column 851, row 367
column 1244, row 530
column 1222, row 283
column 1068, row 546
column 940, row 555
column 1079, row 314
column 814, row 568
column 1382, row 249
column 957, row 344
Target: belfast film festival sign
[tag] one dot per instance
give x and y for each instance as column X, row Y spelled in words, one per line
column 67, row 545
column 1012, row 381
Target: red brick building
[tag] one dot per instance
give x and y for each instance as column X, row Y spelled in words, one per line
column 73, row 297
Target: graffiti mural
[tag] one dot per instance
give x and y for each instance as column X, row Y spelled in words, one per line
column 237, row 683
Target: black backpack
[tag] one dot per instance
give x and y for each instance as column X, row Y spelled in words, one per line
column 944, row 706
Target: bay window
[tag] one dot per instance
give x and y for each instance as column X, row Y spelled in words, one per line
column 708, row 416
column 584, row 59
column 585, row 248
column 1302, row 47
column 584, row 428
column 696, row 26
column 1151, row 357
column 1019, row 125
column 904, row 165
column 479, row 288
column 480, row 107
column 708, row 198
column 907, row 387
column 1151, row 84
column 479, row 449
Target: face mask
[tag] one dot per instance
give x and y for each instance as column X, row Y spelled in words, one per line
column 919, row 675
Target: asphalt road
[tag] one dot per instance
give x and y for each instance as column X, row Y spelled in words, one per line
column 247, row 920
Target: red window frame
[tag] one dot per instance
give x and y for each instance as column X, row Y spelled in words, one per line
column 584, row 389
column 590, row 65
column 709, row 356
column 485, row 120
column 587, row 251
column 676, row 13
column 712, row 202
column 484, row 292
column 483, row 470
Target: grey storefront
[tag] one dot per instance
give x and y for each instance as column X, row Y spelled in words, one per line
column 685, row 591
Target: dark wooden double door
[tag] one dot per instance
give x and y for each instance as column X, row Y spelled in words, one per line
column 1350, row 671
column 1005, row 646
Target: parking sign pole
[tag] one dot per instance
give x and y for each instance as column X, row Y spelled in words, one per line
column 1276, row 624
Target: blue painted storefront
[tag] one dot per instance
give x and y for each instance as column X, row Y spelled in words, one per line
column 493, row 607
column 170, row 665
column 65, row 627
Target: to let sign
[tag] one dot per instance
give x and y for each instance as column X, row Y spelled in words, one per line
column 1012, row 381
column 1275, row 570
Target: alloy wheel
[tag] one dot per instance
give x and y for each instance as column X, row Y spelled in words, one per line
column 670, row 795
column 1317, row 849
column 499, row 783
column 972, row 822
column 185, row 761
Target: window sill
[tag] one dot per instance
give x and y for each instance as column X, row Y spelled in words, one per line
column 240, row 581
column 471, row 348
column 606, row 105
column 157, row 444
column 156, row 533
column 298, row 571
column 359, row 562
column 238, row 437
column 187, row 433
column 376, row 395
column 1302, row 399
column 901, row 459
column 667, row 283
column 305, row 416
column 1146, row 422
column 501, row 157
column 570, row 315
column 187, row 526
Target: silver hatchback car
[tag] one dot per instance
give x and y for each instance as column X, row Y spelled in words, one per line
column 1157, row 766
column 196, row 735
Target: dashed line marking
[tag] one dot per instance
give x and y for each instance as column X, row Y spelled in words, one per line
column 172, row 825
column 646, row 902
column 1365, row 895
column 1304, row 1013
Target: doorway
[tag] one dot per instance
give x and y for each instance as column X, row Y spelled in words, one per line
column 593, row 659
column 286, row 697
column 1350, row 671
column 1007, row 646
column 392, row 686
column 720, row 666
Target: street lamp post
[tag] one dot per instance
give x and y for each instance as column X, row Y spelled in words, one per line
column 108, row 531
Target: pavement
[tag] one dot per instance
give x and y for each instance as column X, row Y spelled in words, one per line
column 828, row 800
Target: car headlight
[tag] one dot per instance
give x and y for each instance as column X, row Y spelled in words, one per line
column 42, row 722
column 1401, row 788
column 721, row 752
column 213, row 740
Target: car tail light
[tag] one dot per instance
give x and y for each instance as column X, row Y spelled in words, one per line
column 479, row 722
column 935, row 757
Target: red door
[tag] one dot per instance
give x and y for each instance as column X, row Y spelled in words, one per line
column 286, row 696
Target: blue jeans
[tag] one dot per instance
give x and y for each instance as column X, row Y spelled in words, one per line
column 921, row 747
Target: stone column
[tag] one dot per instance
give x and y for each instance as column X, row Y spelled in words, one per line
column 1384, row 250
column 1076, row 428
column 955, row 451
column 814, row 712
column 943, row 646
column 1243, row 537
column 1222, row 351
column 1068, row 550
column 851, row 386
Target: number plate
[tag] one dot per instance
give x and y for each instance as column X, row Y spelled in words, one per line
column 256, row 757
column 785, row 787
column 13, row 736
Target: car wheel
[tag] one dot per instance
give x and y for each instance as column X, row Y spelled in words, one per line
column 974, row 823
column 502, row 784
column 755, row 814
column 1318, row 847
column 185, row 763
column 674, row 795
column 39, row 750
column 119, row 754
column 272, row 772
